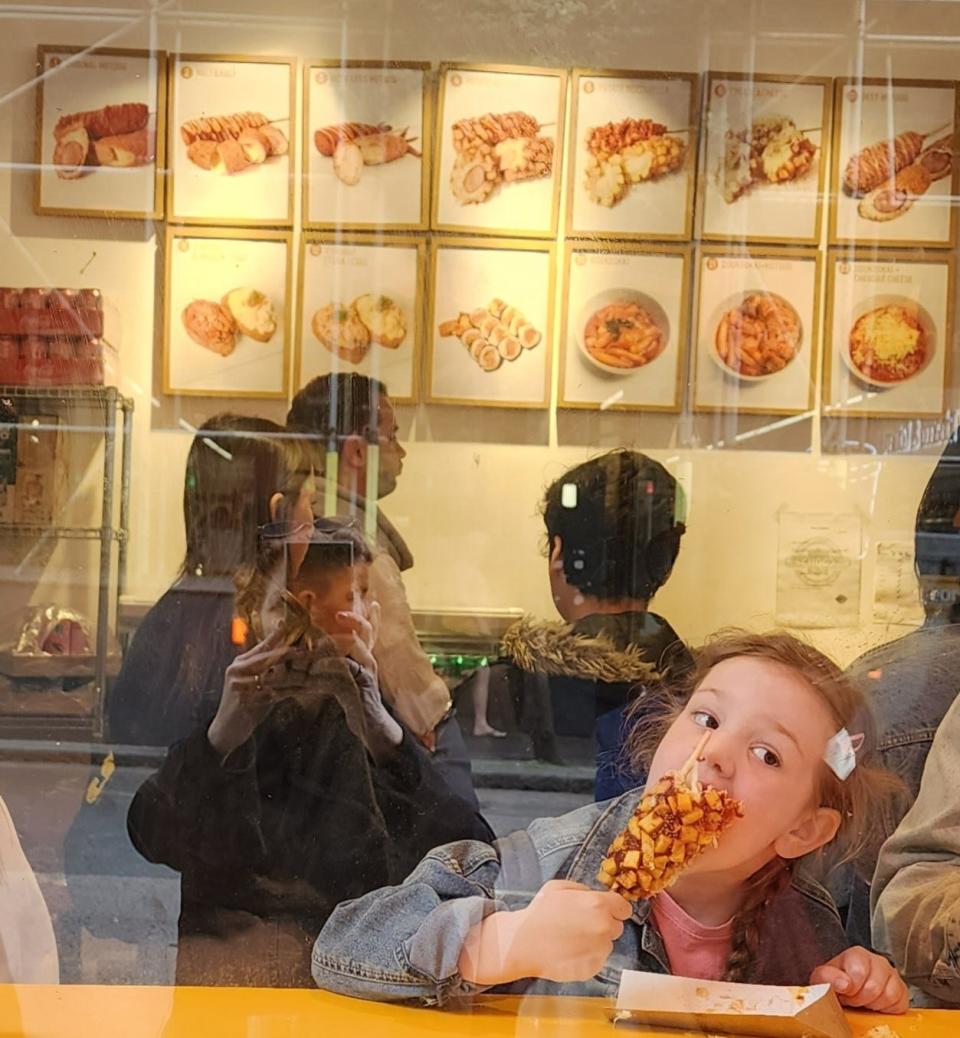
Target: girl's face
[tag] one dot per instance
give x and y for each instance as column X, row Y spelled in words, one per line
column 768, row 735
column 301, row 524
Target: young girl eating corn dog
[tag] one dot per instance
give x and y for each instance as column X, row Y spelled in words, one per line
column 762, row 756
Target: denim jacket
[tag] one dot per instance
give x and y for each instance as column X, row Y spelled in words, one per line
column 404, row 942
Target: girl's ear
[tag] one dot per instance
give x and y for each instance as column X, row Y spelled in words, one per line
column 305, row 598
column 556, row 550
column 815, row 830
column 275, row 502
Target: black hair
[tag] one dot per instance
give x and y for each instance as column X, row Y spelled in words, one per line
column 937, row 536
column 235, row 466
column 335, row 406
column 616, row 517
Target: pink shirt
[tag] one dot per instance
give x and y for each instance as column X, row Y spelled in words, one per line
column 693, row 950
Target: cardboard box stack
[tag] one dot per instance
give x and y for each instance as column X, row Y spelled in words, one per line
column 33, row 471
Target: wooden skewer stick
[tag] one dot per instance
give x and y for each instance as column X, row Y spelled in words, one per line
column 938, row 130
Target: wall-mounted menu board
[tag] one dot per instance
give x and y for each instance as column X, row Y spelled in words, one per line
column 757, row 315
column 361, row 304
column 889, row 334
column 230, row 140
column 894, row 167
column 624, row 332
column 226, row 320
column 100, row 132
column 633, row 154
column 490, row 326
column 366, row 145
column 499, row 149
column 764, row 165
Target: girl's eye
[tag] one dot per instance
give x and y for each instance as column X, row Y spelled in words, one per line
column 766, row 756
column 705, row 719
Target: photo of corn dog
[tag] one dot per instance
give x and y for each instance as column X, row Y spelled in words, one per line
column 228, row 144
column 675, row 822
column 113, row 136
column 494, row 150
column 492, row 334
column 352, row 146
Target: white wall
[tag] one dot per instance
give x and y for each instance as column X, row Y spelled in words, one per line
column 467, row 503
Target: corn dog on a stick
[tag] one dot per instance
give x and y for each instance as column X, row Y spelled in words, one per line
column 675, row 821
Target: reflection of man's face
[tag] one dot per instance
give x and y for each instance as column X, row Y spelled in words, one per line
column 391, row 453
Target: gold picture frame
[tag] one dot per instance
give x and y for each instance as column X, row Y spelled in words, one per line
column 174, row 61
column 834, row 238
column 690, row 162
column 427, row 145
column 230, row 234
column 405, row 241
column 704, row 253
column 546, row 247
column 883, row 255
column 826, row 141
column 683, row 252
column 159, row 57
column 561, row 76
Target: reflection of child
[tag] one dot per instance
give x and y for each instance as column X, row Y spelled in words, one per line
column 473, row 916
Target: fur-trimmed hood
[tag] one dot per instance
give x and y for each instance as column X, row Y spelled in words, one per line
column 598, row 648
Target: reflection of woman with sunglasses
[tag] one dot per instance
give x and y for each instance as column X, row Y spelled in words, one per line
column 304, row 790
column 242, row 473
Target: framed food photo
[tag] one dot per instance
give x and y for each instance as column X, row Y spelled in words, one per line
column 100, row 132
column 226, row 318
column 757, row 330
column 490, row 322
column 764, row 166
column 633, row 155
column 889, row 345
column 894, row 162
column 230, row 140
column 624, row 331
column 361, row 303
column 499, row 150
column 366, row 155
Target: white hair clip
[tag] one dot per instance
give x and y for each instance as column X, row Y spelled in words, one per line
column 841, row 753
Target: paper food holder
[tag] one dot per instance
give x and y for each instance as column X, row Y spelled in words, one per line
column 716, row 1007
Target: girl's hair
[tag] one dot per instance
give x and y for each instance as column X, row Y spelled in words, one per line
column 866, row 801
column 235, row 466
column 617, row 519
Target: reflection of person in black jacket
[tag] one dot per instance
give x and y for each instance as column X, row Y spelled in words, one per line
column 613, row 529
column 304, row 791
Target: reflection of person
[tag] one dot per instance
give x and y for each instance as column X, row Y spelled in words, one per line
column 241, row 473
column 613, row 535
column 916, row 888
column 354, row 413
column 530, row 909
column 28, row 948
column 304, row 790
column 912, row 681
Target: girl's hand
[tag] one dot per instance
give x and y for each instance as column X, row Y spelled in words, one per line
column 864, row 980
column 358, row 637
column 247, row 694
column 565, row 934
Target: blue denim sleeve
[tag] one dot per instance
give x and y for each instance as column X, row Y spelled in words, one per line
column 403, row 943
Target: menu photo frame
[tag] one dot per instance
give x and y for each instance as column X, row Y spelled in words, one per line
column 380, row 284
column 756, row 340
column 652, row 190
column 231, row 140
column 748, row 189
column 388, row 105
column 510, row 188
column 895, row 172
column 100, row 138
column 907, row 297
column 634, row 291
column 227, row 311
column 490, row 317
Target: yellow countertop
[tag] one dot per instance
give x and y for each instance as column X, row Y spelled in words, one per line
column 79, row 1011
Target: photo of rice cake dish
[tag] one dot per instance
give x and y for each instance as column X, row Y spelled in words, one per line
column 889, row 344
column 623, row 330
column 759, row 336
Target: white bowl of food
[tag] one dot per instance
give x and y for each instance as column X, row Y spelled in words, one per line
column 621, row 330
column 890, row 340
column 754, row 335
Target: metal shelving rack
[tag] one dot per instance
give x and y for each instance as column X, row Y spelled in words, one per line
column 117, row 418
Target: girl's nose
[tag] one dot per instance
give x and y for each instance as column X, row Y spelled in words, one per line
column 716, row 761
